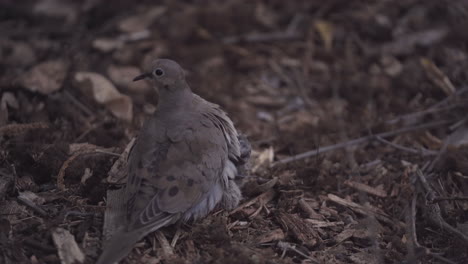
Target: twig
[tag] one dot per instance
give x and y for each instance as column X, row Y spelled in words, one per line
column 77, row 103
column 66, row 164
column 167, row 250
column 176, row 237
column 438, row 107
column 433, row 210
column 380, row 215
column 411, row 231
column 357, row 141
column 14, row 129
column 32, row 205
column 291, row 33
column 422, row 151
column 366, row 188
column 262, row 37
column 285, row 246
column 262, row 199
column 455, row 198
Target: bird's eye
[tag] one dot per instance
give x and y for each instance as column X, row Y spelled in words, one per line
column 158, row 72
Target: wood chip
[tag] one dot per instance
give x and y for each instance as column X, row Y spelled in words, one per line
column 15, row 129
column 364, row 210
column 366, row 188
column 262, row 199
column 274, row 235
column 299, row 228
column 317, row 223
column 68, row 250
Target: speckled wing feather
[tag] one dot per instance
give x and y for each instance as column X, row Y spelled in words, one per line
column 175, row 172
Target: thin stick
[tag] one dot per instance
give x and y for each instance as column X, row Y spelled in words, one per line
column 455, row 198
column 422, row 151
column 438, row 107
column 357, row 141
column 433, row 210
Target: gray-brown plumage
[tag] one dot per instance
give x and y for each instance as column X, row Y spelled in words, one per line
column 183, row 164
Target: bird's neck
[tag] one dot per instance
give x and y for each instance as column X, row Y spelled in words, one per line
column 174, row 100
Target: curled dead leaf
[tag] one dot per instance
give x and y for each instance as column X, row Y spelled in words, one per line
column 104, row 92
column 46, row 77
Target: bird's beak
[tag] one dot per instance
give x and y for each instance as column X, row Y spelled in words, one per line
column 142, row 76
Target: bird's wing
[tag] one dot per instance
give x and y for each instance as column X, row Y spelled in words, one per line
column 214, row 114
column 175, row 175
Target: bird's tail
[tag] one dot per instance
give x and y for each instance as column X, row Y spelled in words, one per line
column 121, row 243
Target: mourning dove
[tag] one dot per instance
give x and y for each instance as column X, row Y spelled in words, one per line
column 184, row 163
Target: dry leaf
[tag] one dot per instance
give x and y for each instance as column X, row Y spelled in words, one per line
column 46, row 77
column 105, row 93
column 437, row 76
column 325, row 29
column 141, row 21
column 265, row 15
column 58, row 8
column 110, row 44
column 107, row 44
column 19, row 53
column 123, row 76
column 391, row 65
column 263, row 159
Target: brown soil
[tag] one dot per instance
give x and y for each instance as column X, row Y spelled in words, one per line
column 295, row 76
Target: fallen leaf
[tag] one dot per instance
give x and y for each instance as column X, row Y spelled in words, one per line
column 265, row 15
column 123, row 76
column 141, row 21
column 46, row 77
column 437, row 76
column 104, row 92
column 58, row 8
column 325, row 29
column 263, row 159
column 107, row 44
column 20, row 53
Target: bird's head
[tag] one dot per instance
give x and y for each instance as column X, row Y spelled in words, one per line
column 166, row 74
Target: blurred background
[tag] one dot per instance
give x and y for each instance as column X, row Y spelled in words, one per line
column 295, row 76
